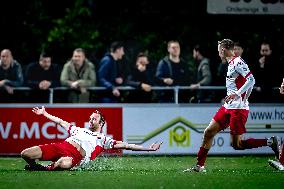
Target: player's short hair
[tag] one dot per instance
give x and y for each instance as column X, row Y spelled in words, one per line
column 102, row 117
column 227, row 44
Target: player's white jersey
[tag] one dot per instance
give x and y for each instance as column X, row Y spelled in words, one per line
column 92, row 142
column 239, row 80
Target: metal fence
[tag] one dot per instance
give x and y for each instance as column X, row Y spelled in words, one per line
column 175, row 89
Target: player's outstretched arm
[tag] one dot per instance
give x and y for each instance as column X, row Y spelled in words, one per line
column 41, row 111
column 124, row 145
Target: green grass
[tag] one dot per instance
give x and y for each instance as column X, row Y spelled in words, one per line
column 147, row 172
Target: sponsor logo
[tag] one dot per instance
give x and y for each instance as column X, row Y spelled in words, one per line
column 179, row 136
column 178, row 130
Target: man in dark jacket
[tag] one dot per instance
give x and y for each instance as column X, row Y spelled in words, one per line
column 108, row 73
column 203, row 75
column 142, row 78
column 41, row 76
column 10, row 76
column 172, row 71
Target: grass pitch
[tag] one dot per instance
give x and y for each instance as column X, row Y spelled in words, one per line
column 160, row 172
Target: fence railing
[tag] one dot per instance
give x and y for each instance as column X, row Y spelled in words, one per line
column 175, row 89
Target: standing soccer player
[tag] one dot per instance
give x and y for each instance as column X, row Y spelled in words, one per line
column 82, row 146
column 234, row 112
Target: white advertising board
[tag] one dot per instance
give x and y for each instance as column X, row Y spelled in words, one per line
column 260, row 7
column 181, row 128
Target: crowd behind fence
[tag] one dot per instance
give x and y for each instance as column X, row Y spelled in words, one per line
column 171, row 81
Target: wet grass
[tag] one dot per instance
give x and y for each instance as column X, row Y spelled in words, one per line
column 147, row 172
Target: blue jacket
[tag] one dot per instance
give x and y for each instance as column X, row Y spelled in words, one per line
column 108, row 71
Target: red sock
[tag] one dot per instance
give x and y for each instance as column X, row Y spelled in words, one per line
column 253, row 143
column 201, row 156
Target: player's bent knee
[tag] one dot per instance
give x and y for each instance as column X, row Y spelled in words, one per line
column 236, row 143
column 33, row 152
column 25, row 153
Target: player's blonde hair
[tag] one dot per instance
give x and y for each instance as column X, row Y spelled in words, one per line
column 227, row 44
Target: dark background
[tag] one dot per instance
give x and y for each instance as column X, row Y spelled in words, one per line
column 28, row 27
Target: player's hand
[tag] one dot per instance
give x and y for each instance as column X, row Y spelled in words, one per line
column 39, row 111
column 155, row 146
column 230, row 98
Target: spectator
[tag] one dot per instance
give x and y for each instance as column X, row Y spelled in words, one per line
column 41, row 76
column 204, row 76
column 172, row 70
column 142, row 79
column 264, row 66
column 108, row 73
column 10, row 76
column 78, row 74
column 238, row 49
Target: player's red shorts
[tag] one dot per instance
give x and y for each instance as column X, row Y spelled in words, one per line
column 54, row 151
column 235, row 118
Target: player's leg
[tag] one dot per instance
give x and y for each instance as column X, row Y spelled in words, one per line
column 47, row 152
column 31, row 154
column 219, row 122
column 209, row 133
column 208, row 136
column 62, row 163
column 238, row 121
column 238, row 144
column 68, row 158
